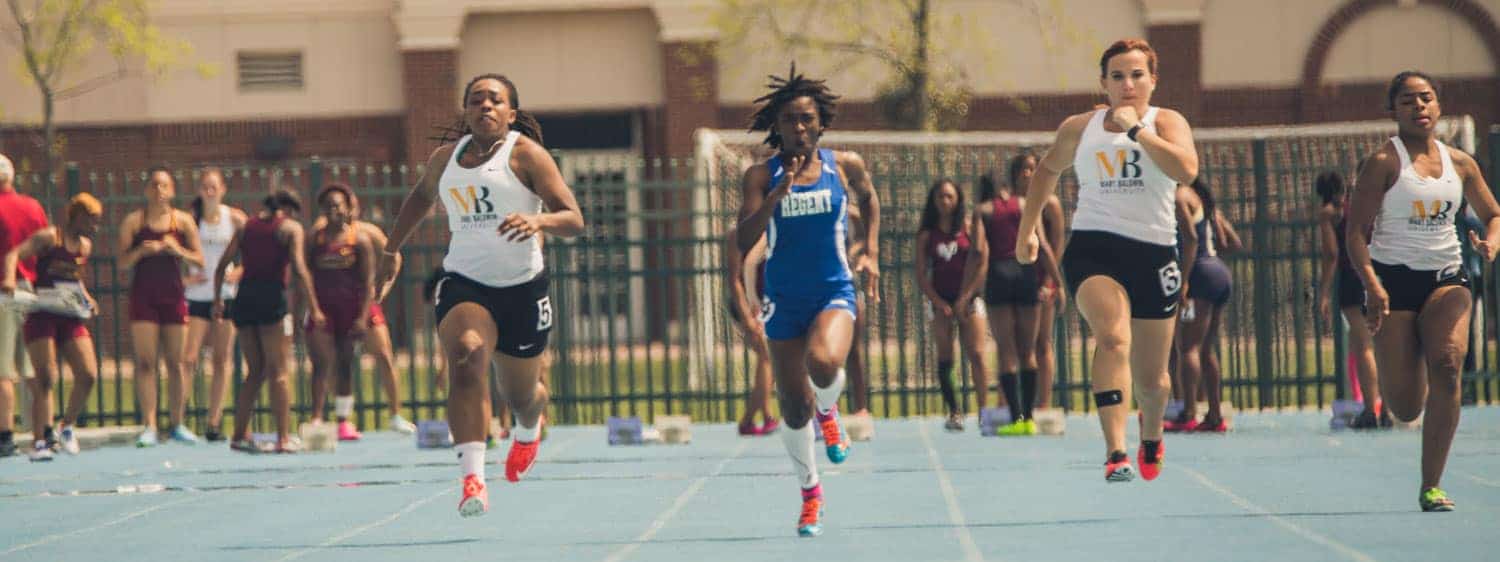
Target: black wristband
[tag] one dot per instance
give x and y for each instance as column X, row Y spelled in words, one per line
column 1136, row 130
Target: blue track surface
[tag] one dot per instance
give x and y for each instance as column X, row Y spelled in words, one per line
column 1281, row 487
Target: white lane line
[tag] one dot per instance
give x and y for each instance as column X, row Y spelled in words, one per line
column 116, row 521
column 1334, row 545
column 955, row 514
column 682, row 500
column 354, row 532
column 351, row 533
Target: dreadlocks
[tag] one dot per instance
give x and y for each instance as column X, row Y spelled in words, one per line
column 525, row 124
column 783, row 91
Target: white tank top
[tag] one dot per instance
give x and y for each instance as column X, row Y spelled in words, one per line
column 1120, row 190
column 477, row 200
column 214, row 236
column 1416, row 227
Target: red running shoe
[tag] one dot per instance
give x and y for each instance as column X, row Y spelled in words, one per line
column 1149, row 455
column 476, row 500
column 1217, row 427
column 521, row 456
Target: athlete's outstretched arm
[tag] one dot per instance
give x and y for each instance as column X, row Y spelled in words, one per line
column 413, row 209
column 420, row 200
column 858, row 176
column 1189, row 234
column 37, row 243
column 561, row 216
column 1378, row 175
column 293, row 231
column 1044, row 182
column 190, row 249
column 231, row 252
column 756, row 205
column 1477, row 192
column 977, row 266
column 1170, row 146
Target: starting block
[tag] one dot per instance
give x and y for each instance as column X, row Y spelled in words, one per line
column 1344, row 412
column 264, row 442
column 861, row 427
column 319, row 437
column 1050, row 421
column 625, row 431
column 675, row 430
column 990, row 420
column 1174, row 409
column 434, row 434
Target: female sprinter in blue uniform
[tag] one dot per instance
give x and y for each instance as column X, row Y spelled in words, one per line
column 799, row 200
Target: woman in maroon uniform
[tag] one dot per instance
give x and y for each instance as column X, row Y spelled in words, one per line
column 1010, row 297
column 343, row 270
column 950, row 273
column 61, row 254
column 155, row 243
column 266, row 245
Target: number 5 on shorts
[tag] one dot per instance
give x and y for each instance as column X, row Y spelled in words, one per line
column 543, row 314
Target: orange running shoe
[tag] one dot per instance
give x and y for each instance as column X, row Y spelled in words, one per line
column 834, row 436
column 810, row 523
column 1117, row 468
column 1149, row 455
column 520, row 459
column 476, row 499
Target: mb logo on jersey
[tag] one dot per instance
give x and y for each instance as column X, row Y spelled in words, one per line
column 947, row 250
column 473, row 203
column 1423, row 215
column 1121, row 169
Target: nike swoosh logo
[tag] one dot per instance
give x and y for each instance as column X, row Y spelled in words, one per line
column 525, row 347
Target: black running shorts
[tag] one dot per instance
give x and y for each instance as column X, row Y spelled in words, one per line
column 1148, row 272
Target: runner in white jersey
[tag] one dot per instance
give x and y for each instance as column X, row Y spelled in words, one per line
column 1416, row 292
column 217, row 224
column 1121, row 261
column 501, row 190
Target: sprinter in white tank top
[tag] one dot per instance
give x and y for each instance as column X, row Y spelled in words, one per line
column 1129, row 160
column 217, row 224
column 1417, row 297
column 501, row 190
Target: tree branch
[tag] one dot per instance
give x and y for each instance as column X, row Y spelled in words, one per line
column 92, row 84
column 28, row 47
column 63, row 44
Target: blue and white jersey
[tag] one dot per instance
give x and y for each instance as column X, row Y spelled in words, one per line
column 806, row 240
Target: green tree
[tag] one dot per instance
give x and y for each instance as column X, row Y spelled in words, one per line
column 57, row 37
column 912, row 41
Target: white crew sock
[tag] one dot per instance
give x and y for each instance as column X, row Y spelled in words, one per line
column 471, row 458
column 828, row 398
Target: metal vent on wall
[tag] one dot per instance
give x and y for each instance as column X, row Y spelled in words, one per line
column 270, row 70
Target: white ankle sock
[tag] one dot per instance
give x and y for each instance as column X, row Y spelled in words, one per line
column 828, row 398
column 523, row 434
column 471, row 458
column 799, row 445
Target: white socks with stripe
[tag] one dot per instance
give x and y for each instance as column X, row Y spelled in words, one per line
column 471, row 458
column 343, row 407
column 828, row 398
column 799, row 444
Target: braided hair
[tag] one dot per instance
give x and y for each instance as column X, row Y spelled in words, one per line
column 783, row 91
column 525, row 123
